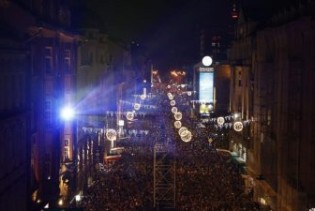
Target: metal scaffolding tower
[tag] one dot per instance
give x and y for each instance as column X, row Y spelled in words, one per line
column 164, row 177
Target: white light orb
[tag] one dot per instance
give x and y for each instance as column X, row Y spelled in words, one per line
column 220, row 120
column 111, row 134
column 184, row 133
column 143, row 97
column 238, row 126
column 207, row 61
column 177, row 124
column 136, row 106
column 182, row 129
column 189, row 93
column 173, row 102
column 171, row 97
column 174, row 110
column 130, row 115
column 186, row 137
column 178, row 115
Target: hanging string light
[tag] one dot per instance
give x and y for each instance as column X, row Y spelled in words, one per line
column 177, row 124
column 173, row 102
column 178, row 115
column 137, row 106
column 186, row 136
column 220, row 120
column 174, row 110
column 238, row 126
column 182, row 129
column 111, row 134
column 130, row 115
column 170, row 96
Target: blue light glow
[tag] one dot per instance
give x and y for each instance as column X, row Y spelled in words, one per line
column 206, row 87
column 67, row 113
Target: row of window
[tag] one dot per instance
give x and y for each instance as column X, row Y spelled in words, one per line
column 49, row 60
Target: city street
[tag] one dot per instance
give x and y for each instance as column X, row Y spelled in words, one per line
column 203, row 179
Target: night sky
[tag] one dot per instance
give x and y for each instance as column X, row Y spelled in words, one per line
column 167, row 31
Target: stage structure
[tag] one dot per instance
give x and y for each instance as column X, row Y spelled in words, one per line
column 164, row 176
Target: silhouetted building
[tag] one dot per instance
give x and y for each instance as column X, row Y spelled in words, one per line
column 15, row 160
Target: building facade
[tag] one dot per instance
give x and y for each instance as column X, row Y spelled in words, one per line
column 43, row 28
column 281, row 77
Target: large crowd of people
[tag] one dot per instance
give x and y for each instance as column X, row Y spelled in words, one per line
column 205, row 178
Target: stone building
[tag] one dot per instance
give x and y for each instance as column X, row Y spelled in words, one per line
column 42, row 82
column 281, row 79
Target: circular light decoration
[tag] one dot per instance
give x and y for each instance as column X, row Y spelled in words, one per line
column 174, row 110
column 111, row 134
column 178, row 115
column 238, row 126
column 220, row 120
column 170, row 96
column 177, row 124
column 136, row 106
column 184, row 133
column 181, row 130
column 189, row 93
column 186, row 137
column 130, row 115
column 173, row 102
column 142, row 97
column 207, row 61
column 168, row 86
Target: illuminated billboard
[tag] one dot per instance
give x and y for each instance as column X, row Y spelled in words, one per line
column 206, row 87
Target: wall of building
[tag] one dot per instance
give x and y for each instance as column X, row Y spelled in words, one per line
column 279, row 80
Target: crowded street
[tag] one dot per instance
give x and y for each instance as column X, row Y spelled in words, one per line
column 206, row 179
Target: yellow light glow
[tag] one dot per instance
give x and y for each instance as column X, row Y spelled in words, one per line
column 60, row 202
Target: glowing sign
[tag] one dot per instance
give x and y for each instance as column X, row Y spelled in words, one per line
column 206, row 87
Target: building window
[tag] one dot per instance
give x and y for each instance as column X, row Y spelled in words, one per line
column 48, row 59
column 48, row 112
column 67, row 59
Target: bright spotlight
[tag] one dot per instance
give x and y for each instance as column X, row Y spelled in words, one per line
column 67, row 113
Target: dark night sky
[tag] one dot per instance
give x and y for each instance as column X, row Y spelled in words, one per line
column 168, row 31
